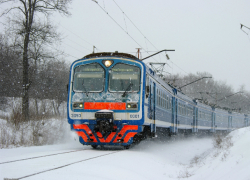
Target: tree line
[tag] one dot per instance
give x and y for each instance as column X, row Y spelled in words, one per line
column 215, row 93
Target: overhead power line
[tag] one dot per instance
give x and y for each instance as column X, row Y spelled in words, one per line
column 145, row 36
column 63, row 52
column 136, row 28
column 81, row 38
column 117, row 23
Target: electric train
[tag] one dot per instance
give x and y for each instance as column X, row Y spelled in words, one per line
column 116, row 99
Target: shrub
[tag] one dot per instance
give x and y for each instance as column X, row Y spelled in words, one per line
column 217, row 141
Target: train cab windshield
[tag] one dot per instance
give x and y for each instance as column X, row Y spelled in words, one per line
column 124, row 78
column 89, row 78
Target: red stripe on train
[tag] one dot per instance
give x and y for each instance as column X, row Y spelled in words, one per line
column 105, row 105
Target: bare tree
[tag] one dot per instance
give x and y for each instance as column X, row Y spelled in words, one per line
column 27, row 13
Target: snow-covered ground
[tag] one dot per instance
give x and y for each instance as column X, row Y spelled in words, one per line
column 192, row 158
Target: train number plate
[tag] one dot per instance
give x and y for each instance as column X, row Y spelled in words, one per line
column 135, row 116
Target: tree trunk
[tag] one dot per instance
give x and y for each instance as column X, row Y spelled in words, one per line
column 25, row 97
column 29, row 14
column 36, row 104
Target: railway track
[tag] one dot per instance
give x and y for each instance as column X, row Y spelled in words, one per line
column 41, row 156
column 55, row 168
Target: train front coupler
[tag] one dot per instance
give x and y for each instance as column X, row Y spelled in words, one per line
column 105, row 122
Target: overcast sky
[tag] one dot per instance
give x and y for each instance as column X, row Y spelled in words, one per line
column 205, row 34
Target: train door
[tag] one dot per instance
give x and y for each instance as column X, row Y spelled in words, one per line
column 196, row 110
column 152, row 107
column 213, row 122
column 174, row 113
column 174, row 116
column 194, row 119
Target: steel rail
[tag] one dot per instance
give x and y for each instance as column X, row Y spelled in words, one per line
column 59, row 167
column 42, row 156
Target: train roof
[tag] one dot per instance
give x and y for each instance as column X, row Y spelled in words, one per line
column 237, row 114
column 183, row 96
column 107, row 54
column 219, row 110
column 202, row 105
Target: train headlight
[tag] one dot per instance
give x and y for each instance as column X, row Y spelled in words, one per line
column 132, row 106
column 77, row 105
column 107, row 63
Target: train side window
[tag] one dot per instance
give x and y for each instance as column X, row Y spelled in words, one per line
column 147, row 80
column 161, row 100
column 170, row 101
column 184, row 113
column 147, row 91
column 147, row 86
column 178, row 108
column 158, row 98
column 181, row 109
column 184, row 108
column 167, row 103
column 164, row 101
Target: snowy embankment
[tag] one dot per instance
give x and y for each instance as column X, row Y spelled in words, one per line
column 230, row 161
column 191, row 158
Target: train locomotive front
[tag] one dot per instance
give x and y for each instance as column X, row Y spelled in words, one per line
column 105, row 99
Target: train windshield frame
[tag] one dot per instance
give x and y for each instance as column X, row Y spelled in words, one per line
column 89, row 78
column 124, row 77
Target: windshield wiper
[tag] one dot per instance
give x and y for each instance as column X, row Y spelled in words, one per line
column 85, row 90
column 128, row 88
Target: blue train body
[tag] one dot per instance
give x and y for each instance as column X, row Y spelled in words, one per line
column 115, row 99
